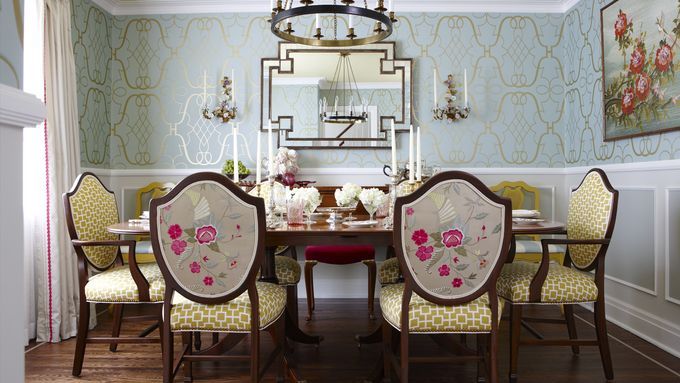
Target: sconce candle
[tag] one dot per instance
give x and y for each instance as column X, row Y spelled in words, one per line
column 233, row 88
column 235, row 133
column 465, row 87
column 205, row 87
column 258, row 161
column 434, row 75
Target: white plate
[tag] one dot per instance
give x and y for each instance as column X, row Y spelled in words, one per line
column 521, row 213
column 367, row 223
column 527, row 221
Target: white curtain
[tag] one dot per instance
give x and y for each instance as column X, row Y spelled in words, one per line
column 55, row 279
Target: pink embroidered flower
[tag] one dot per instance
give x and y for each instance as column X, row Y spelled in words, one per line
column 233, row 264
column 456, row 260
column 195, row 267
column 174, row 231
column 452, row 238
column 419, row 237
column 482, row 263
column 178, row 246
column 444, row 270
column 664, row 58
column 424, row 253
column 409, row 211
column 208, row 281
column 205, row 258
column 206, row 234
column 238, row 227
column 620, row 24
column 457, row 282
column 637, row 60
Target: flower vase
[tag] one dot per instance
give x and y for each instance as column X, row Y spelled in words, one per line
column 288, row 179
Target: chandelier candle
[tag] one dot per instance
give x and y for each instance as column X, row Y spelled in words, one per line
column 270, row 152
column 411, row 173
column 205, row 87
column 233, row 89
column 235, row 133
column 434, row 75
column 465, row 87
column 419, row 166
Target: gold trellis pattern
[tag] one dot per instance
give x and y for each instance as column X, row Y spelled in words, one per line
column 94, row 209
column 590, row 208
column 232, row 316
column 562, row 285
column 427, row 317
column 534, row 84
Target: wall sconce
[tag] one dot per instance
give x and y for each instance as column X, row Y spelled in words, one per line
column 451, row 111
column 226, row 106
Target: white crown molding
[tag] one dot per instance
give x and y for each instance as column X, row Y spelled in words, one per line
column 155, row 7
column 20, row 109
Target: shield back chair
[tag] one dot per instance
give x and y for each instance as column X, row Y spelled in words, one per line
column 142, row 198
column 89, row 208
column 525, row 196
column 208, row 238
column 590, row 223
column 451, row 238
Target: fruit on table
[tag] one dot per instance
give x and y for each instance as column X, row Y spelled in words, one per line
column 228, row 168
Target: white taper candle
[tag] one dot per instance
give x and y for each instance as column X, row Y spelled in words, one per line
column 419, row 165
column 205, row 86
column 235, row 133
column 394, row 150
column 434, row 91
column 270, row 150
column 465, row 86
column 258, row 160
column 351, row 24
column 411, row 172
column 233, row 89
column 318, row 21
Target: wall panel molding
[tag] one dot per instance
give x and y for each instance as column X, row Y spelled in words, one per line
column 667, row 246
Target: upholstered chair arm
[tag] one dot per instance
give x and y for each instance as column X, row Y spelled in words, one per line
column 137, row 276
column 537, row 282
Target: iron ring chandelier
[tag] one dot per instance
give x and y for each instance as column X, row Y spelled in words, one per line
column 282, row 16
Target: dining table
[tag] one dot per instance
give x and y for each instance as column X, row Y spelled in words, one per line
column 321, row 232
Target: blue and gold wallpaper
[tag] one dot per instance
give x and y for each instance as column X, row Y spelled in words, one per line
column 11, row 43
column 583, row 128
column 534, row 84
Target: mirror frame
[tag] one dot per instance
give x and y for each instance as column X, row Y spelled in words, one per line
column 284, row 63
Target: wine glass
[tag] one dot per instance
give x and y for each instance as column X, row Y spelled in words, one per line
column 352, row 205
column 309, row 209
column 370, row 208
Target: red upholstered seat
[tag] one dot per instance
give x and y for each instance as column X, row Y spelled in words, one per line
column 339, row 255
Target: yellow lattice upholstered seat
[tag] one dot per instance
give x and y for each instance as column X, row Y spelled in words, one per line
column 232, row 316
column 117, row 286
column 389, row 272
column 427, row 317
column 562, row 285
column 288, row 271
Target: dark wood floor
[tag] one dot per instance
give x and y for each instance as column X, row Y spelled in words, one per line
column 338, row 359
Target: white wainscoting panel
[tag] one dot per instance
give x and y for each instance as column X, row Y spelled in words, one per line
column 672, row 253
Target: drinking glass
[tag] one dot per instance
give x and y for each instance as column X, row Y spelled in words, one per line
column 309, row 209
column 295, row 211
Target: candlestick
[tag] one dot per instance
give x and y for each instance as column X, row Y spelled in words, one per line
column 434, row 75
column 258, row 161
column 465, row 87
column 394, row 151
column 233, row 89
column 411, row 173
column 270, row 150
column 419, row 165
column 318, row 21
column 235, row 133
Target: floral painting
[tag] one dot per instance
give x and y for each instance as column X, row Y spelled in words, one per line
column 640, row 58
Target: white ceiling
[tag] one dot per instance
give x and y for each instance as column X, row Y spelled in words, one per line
column 149, row 7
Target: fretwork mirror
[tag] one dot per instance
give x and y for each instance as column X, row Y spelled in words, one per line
column 330, row 98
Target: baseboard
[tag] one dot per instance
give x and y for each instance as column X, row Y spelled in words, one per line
column 652, row 328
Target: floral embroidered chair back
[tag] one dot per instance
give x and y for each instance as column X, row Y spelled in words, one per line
column 207, row 237
column 91, row 208
column 591, row 206
column 454, row 237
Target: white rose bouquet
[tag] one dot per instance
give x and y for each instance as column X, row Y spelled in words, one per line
column 285, row 161
column 348, row 195
column 372, row 199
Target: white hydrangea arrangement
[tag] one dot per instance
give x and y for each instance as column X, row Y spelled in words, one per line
column 265, row 190
column 285, row 161
column 372, row 199
column 310, row 196
column 348, row 195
